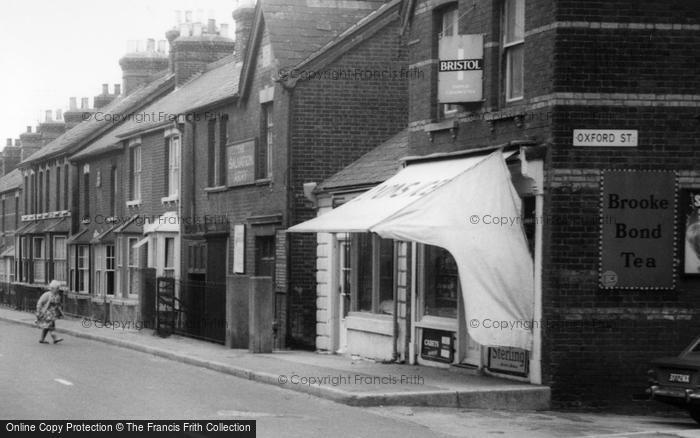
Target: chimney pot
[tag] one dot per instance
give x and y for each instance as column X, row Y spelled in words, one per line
column 150, row 45
column 185, row 29
column 161, row 46
column 117, row 89
column 17, row 142
column 84, row 103
column 197, row 29
column 223, row 30
column 9, row 142
column 48, row 116
column 211, row 26
column 73, row 105
column 29, row 129
column 105, row 89
column 59, row 115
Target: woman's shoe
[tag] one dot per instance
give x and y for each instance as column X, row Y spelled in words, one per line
column 41, row 341
column 56, row 341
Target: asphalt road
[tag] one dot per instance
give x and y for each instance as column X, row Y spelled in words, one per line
column 83, row 379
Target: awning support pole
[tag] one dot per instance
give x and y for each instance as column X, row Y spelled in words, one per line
column 414, row 266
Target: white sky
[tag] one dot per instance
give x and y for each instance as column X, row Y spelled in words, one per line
column 53, row 50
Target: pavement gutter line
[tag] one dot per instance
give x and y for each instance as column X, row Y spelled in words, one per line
column 444, row 398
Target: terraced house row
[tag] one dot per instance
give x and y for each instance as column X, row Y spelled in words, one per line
column 407, row 180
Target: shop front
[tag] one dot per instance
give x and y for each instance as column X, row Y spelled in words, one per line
column 434, row 265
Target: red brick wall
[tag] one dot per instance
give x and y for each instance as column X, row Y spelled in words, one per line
column 636, row 75
column 334, row 122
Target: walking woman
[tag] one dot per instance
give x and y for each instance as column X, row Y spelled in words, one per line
column 48, row 308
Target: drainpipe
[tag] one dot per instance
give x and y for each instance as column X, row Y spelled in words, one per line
column 395, row 311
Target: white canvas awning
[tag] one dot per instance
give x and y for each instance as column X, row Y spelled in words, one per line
column 451, row 204
column 168, row 222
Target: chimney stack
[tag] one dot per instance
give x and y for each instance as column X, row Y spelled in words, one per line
column 117, row 89
column 193, row 46
column 84, row 103
column 243, row 17
column 9, row 142
column 74, row 116
column 29, row 129
column 104, row 99
column 138, row 67
column 59, row 115
column 48, row 116
column 105, row 89
column 18, row 143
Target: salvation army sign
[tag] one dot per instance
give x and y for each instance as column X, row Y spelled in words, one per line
column 461, row 69
column 637, row 244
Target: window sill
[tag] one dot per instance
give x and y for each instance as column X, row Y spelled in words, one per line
column 215, row 189
column 170, row 199
column 370, row 322
column 437, row 322
column 135, row 203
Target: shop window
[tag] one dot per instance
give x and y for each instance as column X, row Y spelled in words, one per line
column 59, row 258
column 513, row 47
column 369, row 273
column 39, row 260
column 440, row 283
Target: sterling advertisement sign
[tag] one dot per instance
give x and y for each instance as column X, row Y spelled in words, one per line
column 461, row 69
column 638, row 218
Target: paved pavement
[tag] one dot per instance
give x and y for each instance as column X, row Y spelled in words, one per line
column 85, row 379
column 338, row 378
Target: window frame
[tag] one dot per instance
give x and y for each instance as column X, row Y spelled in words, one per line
column 263, row 157
column 376, row 273
column 508, row 47
column 38, row 260
column 135, row 172
column 57, row 260
column 173, row 149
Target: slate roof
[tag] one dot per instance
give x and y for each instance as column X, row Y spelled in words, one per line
column 11, row 181
column 74, row 138
column 374, row 167
column 301, row 27
column 218, row 82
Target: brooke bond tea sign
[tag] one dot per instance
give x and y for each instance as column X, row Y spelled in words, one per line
column 461, row 69
column 637, row 244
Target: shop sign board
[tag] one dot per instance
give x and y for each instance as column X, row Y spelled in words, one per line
column 637, row 243
column 461, row 68
column 437, row 345
column 240, row 163
column 509, row 360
